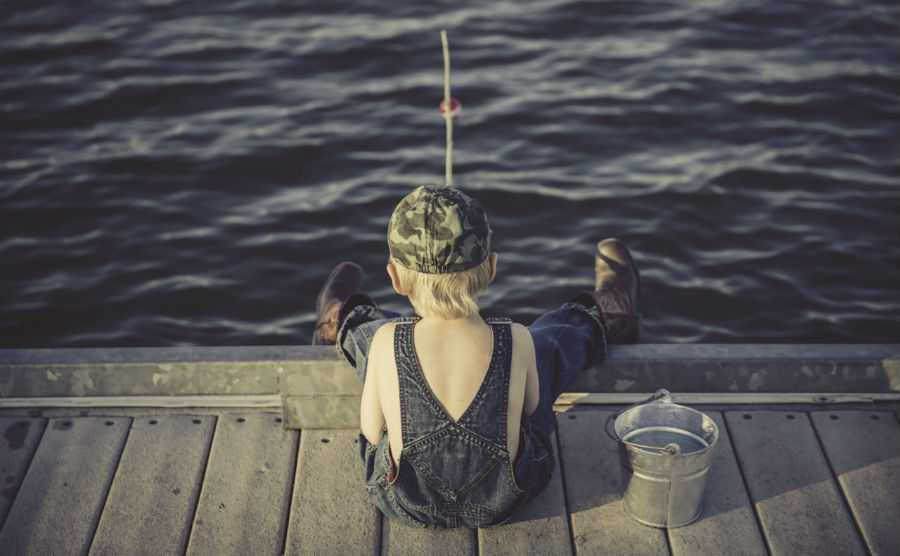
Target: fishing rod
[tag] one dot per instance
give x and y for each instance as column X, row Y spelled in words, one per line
column 449, row 108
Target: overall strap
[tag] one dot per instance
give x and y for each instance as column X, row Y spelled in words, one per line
column 487, row 413
column 420, row 413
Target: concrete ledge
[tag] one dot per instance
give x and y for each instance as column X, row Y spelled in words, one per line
column 319, row 390
column 85, row 356
column 195, row 371
column 308, row 370
column 747, row 368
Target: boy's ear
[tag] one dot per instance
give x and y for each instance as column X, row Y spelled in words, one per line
column 494, row 258
column 395, row 281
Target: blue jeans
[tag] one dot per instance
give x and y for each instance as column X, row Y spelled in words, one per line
column 567, row 340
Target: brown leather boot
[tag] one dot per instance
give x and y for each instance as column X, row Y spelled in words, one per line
column 617, row 289
column 343, row 282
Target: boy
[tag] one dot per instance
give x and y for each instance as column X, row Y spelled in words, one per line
column 456, row 411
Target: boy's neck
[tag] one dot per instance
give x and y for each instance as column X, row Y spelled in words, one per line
column 473, row 319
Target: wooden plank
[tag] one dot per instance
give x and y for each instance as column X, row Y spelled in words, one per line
column 321, row 411
column 399, row 539
column 255, row 401
column 595, row 482
column 568, row 399
column 153, row 495
column 863, row 448
column 19, row 437
column 330, row 511
column 151, row 411
column 541, row 527
column 60, row 500
column 728, row 524
column 246, row 492
column 797, row 500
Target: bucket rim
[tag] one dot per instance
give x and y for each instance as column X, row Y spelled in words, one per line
column 662, row 397
column 662, row 449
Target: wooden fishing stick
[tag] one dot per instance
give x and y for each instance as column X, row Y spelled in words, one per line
column 448, row 112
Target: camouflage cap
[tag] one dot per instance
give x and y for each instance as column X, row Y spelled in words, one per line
column 438, row 230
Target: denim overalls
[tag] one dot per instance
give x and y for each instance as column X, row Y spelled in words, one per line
column 458, row 473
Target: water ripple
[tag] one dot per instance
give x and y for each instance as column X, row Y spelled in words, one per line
column 178, row 174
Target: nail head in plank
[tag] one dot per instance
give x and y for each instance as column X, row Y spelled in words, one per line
column 798, row 503
column 246, row 492
column 728, row 524
column 153, row 495
column 864, row 450
column 19, row 438
column 540, row 527
column 595, row 482
column 399, row 539
column 61, row 498
column 330, row 511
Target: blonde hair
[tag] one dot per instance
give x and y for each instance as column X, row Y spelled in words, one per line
column 453, row 295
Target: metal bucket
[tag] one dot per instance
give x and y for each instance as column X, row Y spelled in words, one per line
column 666, row 449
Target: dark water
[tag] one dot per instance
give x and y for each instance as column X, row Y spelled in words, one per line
column 188, row 173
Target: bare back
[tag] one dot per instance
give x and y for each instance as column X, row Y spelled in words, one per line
column 454, row 359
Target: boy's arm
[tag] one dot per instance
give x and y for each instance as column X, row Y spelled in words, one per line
column 370, row 413
column 532, row 384
column 532, row 391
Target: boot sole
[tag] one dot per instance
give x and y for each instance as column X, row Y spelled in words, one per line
column 334, row 272
column 637, row 272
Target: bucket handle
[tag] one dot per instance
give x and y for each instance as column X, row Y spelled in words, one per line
column 660, row 395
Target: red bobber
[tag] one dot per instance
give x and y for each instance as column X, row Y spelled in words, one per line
column 455, row 107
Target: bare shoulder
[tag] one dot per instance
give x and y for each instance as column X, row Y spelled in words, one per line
column 523, row 344
column 383, row 338
column 381, row 346
column 522, row 336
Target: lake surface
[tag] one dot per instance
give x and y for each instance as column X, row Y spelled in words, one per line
column 177, row 173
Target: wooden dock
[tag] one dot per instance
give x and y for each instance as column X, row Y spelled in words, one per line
column 792, row 480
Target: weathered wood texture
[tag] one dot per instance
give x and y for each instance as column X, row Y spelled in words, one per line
column 85, row 483
column 246, row 492
column 402, row 540
column 728, row 524
column 153, row 495
column 19, row 437
column 321, row 411
column 594, row 482
column 863, row 448
column 63, row 493
column 541, row 527
column 799, row 506
column 330, row 512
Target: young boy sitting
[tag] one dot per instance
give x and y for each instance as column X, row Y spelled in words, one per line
column 457, row 411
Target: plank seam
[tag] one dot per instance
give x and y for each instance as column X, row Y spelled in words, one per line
column 476, row 548
column 290, row 502
column 379, row 545
column 737, row 460
column 562, row 478
column 109, row 484
column 301, row 437
column 840, row 488
column 212, row 438
column 37, row 445
column 383, row 548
